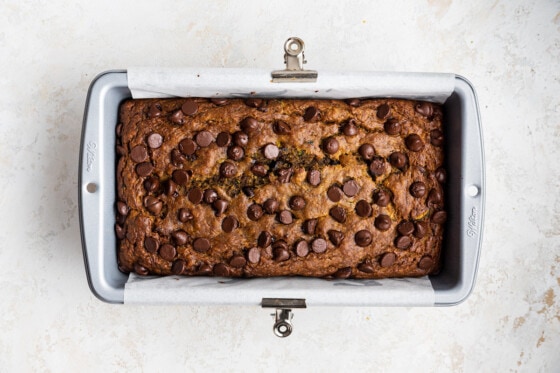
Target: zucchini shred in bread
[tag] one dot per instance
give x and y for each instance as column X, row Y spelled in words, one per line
column 280, row 187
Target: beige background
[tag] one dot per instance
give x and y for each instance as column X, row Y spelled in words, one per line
column 51, row 50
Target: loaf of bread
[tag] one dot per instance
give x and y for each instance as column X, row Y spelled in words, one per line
column 280, row 187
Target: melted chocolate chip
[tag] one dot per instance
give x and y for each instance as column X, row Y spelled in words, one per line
column 155, row 140
column 350, row 128
column 343, row 273
column 314, row 177
column 418, row 189
column 365, row 267
column 235, row 153
column 403, row 242
column 436, row 137
column 383, row 111
column 220, row 206
column 181, row 177
column 285, row 217
column 204, row 138
column 334, row 193
column 271, row 151
column 178, row 117
column 355, row 102
column 363, row 209
column 382, row 222
column 284, row 175
column 240, row 138
column 248, row 191
column 184, row 215
column 280, row 254
column 254, row 212
column 259, row 169
column 392, row 127
column 441, row 175
column 254, row 255
column 229, row 224
column 254, row 102
column 350, row 188
column 249, row 125
column 398, row 160
column 139, row 153
column 420, row 229
column 195, row 195
column 151, row 244
column 153, row 205
column 237, row 261
column 223, row 139
column 377, row 166
column 330, row 145
column 177, row 159
column 366, row 151
column 167, row 252
column 204, row 270
column 281, row 128
column 414, row 143
column 210, row 195
column 381, row 197
column 405, row 228
column 141, row 270
column 120, row 232
column 363, row 238
column 297, row 203
column 338, row 213
column 201, row 245
column 336, row 237
column 439, row 217
column 228, row 169
column 311, row 114
column 219, row 101
column 187, row 147
column 424, row 108
column 122, row 208
column 155, row 110
column 425, row 263
column 264, row 240
column 271, row 206
column 180, row 237
column 189, row 107
column 179, row 267
column 387, row 260
column 309, row 226
column 435, row 199
column 144, row 169
column 301, row 248
column 221, row 270
column 319, row 245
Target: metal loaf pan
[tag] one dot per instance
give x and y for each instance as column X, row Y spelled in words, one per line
column 465, row 193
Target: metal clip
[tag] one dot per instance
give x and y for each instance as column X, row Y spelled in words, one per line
column 283, row 316
column 294, row 58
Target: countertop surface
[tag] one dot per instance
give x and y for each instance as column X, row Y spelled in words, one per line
column 51, row 51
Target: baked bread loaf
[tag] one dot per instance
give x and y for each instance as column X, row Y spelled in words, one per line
column 280, row 187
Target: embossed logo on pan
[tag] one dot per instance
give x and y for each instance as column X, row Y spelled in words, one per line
column 91, row 150
column 472, row 225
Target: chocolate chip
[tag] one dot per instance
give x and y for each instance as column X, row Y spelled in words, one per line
column 223, row 139
column 189, row 107
column 311, row 114
column 350, row 128
column 204, row 270
column 441, row 175
column 237, row 261
column 355, row 102
column 264, row 240
column 151, row 244
column 201, row 245
column 254, row 212
column 403, row 242
column 271, row 151
column 210, row 195
column 387, row 260
column 365, row 267
column 377, row 166
column 336, row 237
column 249, row 125
column 382, row 222
column 425, row 263
column 281, row 128
column 398, row 160
column 141, row 270
column 405, row 228
column 284, row 175
column 414, row 143
column 178, row 117
column 420, row 229
column 248, row 191
column 219, row 101
column 184, row 215
column 301, row 248
column 439, row 217
column 254, row 255
column 177, row 159
column 187, row 146
column 144, row 168
column 350, row 188
column 383, row 111
column 221, row 270
column 418, row 189
column 334, row 193
column 343, row 273
column 254, row 102
column 122, row 208
column 167, row 252
column 280, row 254
column 120, row 232
column 392, row 127
column 285, row 217
column 121, row 150
column 338, row 213
column 120, row 219
column 436, row 137
column 155, row 140
column 319, row 245
column 181, row 177
column 180, row 237
column 240, row 138
column 204, row 138
column 314, row 177
column 139, row 153
column 381, row 197
column 424, row 108
column 297, row 203
column 195, row 195
column 153, row 205
column 155, row 110
column 235, row 153
column 309, row 226
column 271, row 206
column 435, row 199
column 259, row 169
column 179, row 267
column 228, row 169
column 171, row 188
column 363, row 238
column 220, row 206
column 367, row 151
column 229, row 224
column 363, row 208
column 151, row 184
column 330, row 145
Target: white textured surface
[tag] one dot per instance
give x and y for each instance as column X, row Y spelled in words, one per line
column 50, row 51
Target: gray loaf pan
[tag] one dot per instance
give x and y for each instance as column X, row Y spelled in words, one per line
column 465, row 193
